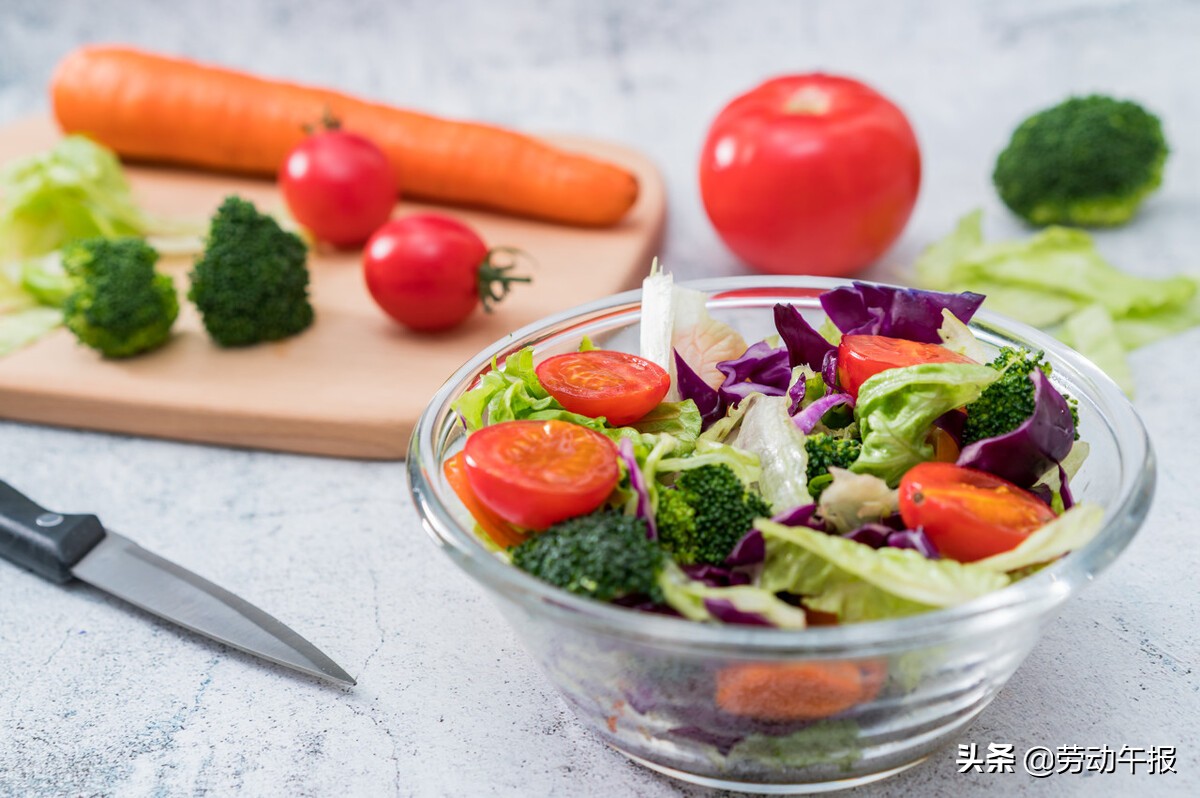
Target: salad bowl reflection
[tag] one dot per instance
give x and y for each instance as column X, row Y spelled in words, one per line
column 782, row 710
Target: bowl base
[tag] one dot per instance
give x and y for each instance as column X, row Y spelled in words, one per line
column 769, row 789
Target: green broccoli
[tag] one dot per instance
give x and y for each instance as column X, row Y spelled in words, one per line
column 1009, row 401
column 603, row 555
column 1088, row 161
column 117, row 303
column 825, row 450
column 251, row 283
column 706, row 514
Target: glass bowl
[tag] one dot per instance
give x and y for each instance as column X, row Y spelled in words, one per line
column 647, row 684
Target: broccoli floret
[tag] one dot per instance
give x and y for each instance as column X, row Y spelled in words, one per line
column 117, row 303
column 825, row 451
column 1089, row 161
column 603, row 555
column 1009, row 401
column 708, row 511
column 251, row 283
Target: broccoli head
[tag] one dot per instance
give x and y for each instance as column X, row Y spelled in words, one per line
column 826, row 451
column 708, row 511
column 1088, row 161
column 603, row 555
column 1009, row 401
column 251, row 282
column 117, row 303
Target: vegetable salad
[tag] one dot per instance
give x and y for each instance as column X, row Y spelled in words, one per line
column 881, row 465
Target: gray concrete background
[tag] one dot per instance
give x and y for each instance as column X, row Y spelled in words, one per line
column 96, row 698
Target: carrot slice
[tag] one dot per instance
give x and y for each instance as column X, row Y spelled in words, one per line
column 793, row 691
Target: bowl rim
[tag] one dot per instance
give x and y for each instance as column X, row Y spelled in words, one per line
column 1036, row 594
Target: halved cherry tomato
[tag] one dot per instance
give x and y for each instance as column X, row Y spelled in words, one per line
column 616, row 385
column 501, row 532
column 537, row 473
column 861, row 357
column 969, row 514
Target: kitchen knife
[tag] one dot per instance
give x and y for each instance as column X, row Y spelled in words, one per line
column 62, row 547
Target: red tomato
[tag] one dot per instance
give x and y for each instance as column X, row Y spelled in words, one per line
column 969, row 514
column 618, row 386
column 537, row 473
column 861, row 357
column 810, row 174
column 339, row 185
column 428, row 271
column 500, row 531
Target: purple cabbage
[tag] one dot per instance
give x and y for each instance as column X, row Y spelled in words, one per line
column 691, row 386
column 804, row 515
column 807, row 418
column 911, row 313
column 715, row 575
column 637, row 482
column 761, row 369
column 1034, row 447
column 805, row 346
column 796, row 394
column 750, row 550
column 725, row 611
column 829, row 370
column 879, row 536
column 1064, row 488
column 952, row 423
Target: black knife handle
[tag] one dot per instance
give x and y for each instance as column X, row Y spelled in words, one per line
column 48, row 543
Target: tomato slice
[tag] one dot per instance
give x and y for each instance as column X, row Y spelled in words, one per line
column 792, row 691
column 501, row 532
column 537, row 473
column 969, row 514
column 861, row 357
column 616, row 385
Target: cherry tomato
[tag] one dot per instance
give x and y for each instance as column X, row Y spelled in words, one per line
column 969, row 514
column 537, row 473
column 500, row 531
column 792, row 691
column 861, row 357
column 810, row 174
column 429, row 272
column 618, row 386
column 339, row 185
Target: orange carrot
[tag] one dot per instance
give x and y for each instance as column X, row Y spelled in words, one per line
column 157, row 108
column 501, row 532
column 797, row 690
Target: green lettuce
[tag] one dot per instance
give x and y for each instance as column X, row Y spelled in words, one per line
column 859, row 583
column 897, row 407
column 1070, row 531
column 512, row 391
column 768, row 431
column 1058, row 281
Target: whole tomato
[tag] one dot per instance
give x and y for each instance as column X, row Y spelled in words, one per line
column 810, row 174
column 429, row 271
column 338, row 185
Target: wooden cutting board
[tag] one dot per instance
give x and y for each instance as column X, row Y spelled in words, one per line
column 353, row 384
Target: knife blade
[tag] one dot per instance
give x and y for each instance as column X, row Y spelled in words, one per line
column 61, row 547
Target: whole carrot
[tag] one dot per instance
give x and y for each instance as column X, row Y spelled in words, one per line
column 163, row 109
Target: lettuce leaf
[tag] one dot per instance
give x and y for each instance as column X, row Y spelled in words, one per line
column 859, row 583
column 1071, row 530
column 1092, row 333
column 767, row 431
column 897, row 407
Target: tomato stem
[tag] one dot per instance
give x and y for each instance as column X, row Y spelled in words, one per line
column 494, row 279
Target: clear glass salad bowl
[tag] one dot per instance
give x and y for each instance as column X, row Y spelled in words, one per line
column 647, row 684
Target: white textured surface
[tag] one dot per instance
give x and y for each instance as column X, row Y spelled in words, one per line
column 96, row 698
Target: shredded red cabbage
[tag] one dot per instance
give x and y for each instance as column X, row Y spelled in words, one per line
column 715, row 575
column 725, row 612
column 879, row 536
column 807, row 418
column 805, row 346
column 915, row 314
column 637, row 482
column 760, row 369
column 1034, row 447
column 691, row 386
